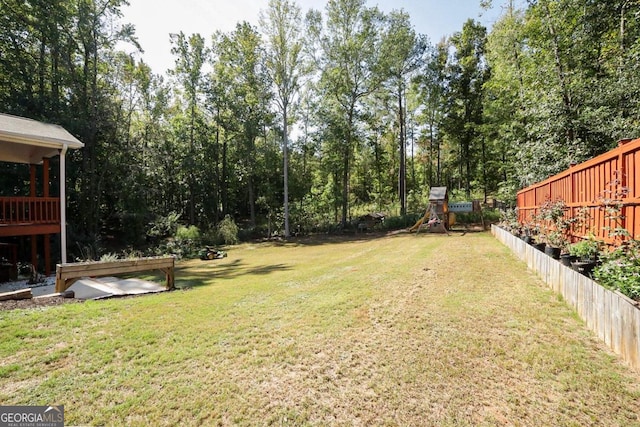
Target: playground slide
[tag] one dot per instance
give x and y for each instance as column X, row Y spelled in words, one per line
column 419, row 222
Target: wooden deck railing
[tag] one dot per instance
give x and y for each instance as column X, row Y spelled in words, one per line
column 29, row 210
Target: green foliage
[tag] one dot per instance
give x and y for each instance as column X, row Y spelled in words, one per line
column 509, row 221
column 487, row 215
column 400, row 222
column 190, row 233
column 467, row 73
column 552, row 83
column 186, row 241
column 228, row 231
column 109, row 257
column 620, row 269
column 556, row 226
column 586, row 249
column 164, row 226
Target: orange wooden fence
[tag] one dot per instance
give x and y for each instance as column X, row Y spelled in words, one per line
column 612, row 175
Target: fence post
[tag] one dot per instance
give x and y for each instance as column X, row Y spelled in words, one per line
column 623, row 182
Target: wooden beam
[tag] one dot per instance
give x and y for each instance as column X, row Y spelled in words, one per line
column 15, row 295
column 28, row 229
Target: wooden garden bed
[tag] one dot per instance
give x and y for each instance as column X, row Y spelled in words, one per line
column 612, row 316
column 68, row 273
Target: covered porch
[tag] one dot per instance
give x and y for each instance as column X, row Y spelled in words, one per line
column 37, row 215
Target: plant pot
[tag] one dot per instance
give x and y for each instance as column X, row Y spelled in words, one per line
column 552, row 251
column 567, row 259
column 539, row 246
column 584, row 267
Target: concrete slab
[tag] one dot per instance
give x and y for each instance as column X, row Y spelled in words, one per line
column 105, row 287
column 89, row 288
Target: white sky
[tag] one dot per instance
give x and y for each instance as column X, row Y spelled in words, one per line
column 154, row 20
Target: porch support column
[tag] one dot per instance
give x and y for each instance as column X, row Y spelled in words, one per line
column 47, row 215
column 34, row 238
column 63, row 205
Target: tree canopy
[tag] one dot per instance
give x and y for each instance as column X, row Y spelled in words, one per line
column 316, row 117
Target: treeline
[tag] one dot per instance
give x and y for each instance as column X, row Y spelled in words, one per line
column 337, row 112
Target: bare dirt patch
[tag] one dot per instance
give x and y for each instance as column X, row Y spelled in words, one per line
column 33, row 303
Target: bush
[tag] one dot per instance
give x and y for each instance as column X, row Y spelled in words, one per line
column 509, row 221
column 164, row 226
column 620, row 269
column 399, row 222
column 487, row 215
column 109, row 257
column 191, row 233
column 586, row 249
column 228, row 231
column 187, row 242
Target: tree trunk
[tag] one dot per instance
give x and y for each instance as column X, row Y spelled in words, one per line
column 345, row 184
column 402, row 175
column 564, row 86
column 285, row 150
column 252, row 200
column 225, row 178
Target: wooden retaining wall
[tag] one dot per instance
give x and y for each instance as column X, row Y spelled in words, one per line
column 612, row 316
column 68, row 273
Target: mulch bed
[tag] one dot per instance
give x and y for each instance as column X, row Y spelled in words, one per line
column 36, row 303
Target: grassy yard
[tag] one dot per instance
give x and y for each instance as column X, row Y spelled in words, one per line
column 398, row 330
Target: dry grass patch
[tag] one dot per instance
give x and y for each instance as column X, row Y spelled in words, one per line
column 402, row 330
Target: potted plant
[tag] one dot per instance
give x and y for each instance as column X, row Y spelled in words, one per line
column 509, row 222
column 557, row 226
column 586, row 251
column 555, row 242
column 566, row 258
column 540, row 241
column 530, row 229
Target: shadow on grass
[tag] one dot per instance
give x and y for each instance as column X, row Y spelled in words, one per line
column 329, row 239
column 321, row 239
column 201, row 275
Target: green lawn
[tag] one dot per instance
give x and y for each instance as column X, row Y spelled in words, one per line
column 399, row 330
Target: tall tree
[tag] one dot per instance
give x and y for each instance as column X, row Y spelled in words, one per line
column 242, row 63
column 347, row 54
column 505, row 103
column 282, row 25
column 191, row 55
column 95, row 32
column 431, row 85
column 402, row 54
column 467, row 74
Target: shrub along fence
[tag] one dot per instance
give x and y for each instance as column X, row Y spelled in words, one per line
column 609, row 178
column 614, row 317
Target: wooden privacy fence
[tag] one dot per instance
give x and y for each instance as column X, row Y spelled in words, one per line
column 612, row 175
column 613, row 317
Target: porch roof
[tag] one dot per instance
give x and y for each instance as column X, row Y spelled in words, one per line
column 25, row 140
